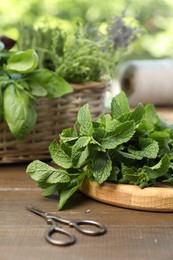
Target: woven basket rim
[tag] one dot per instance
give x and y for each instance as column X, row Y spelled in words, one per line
column 89, row 85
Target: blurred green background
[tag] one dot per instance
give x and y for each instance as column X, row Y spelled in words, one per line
column 155, row 16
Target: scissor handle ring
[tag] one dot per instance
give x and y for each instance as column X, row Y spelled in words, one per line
column 54, row 228
column 78, row 223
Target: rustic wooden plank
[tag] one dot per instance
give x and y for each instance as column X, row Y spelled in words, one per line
column 132, row 234
column 14, row 176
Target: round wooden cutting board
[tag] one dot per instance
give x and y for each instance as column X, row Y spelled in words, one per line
column 158, row 199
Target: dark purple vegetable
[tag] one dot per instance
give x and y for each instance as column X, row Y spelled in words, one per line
column 8, row 42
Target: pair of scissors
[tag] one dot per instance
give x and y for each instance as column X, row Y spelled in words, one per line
column 54, row 220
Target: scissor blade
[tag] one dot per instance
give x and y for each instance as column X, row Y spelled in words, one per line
column 37, row 211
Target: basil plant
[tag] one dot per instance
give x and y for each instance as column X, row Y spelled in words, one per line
column 21, row 84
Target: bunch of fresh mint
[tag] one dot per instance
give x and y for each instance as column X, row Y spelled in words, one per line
column 125, row 146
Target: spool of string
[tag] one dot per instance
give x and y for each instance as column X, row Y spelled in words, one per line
column 147, row 81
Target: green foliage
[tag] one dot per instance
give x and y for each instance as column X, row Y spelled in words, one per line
column 20, row 86
column 22, row 62
column 132, row 147
column 19, row 112
column 154, row 15
column 82, row 53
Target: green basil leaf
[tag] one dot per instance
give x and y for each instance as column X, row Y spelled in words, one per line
column 22, row 61
column 37, row 90
column 19, row 112
column 51, row 82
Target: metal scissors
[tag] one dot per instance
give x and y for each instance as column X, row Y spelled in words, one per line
column 54, row 220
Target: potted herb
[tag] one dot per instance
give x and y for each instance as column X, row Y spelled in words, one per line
column 129, row 147
column 85, row 57
column 21, row 84
column 81, row 54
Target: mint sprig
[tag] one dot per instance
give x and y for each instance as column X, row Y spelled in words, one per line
column 125, row 146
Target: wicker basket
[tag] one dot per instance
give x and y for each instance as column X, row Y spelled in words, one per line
column 53, row 116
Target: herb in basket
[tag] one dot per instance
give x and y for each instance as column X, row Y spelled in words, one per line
column 131, row 147
column 21, row 84
column 82, row 53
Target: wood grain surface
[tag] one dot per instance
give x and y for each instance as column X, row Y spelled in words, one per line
column 131, row 234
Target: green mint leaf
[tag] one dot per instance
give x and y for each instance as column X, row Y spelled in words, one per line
column 145, row 176
column 59, row 156
column 150, row 114
column 39, row 171
column 131, row 175
column 136, row 114
column 119, row 105
column 46, row 175
column 50, row 190
column 107, row 123
column 99, row 132
column 122, row 134
column 83, row 141
column 148, row 148
column 80, row 156
column 70, row 190
column 130, row 155
column 58, row 176
column 80, row 151
column 101, row 167
column 68, row 135
column 160, row 169
column 84, row 119
column 114, row 174
column 169, row 180
column 145, row 127
column 162, row 137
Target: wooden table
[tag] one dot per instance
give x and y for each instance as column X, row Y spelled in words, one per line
column 131, row 234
